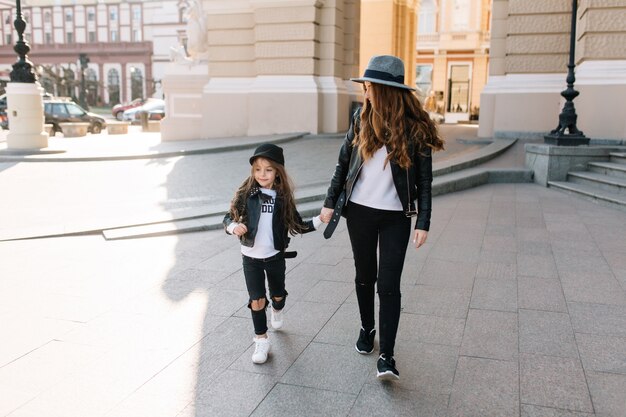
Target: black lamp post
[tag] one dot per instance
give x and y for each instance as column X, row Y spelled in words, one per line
column 567, row 118
column 23, row 70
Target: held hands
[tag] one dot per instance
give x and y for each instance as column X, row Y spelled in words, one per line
column 326, row 214
column 419, row 238
column 240, row 230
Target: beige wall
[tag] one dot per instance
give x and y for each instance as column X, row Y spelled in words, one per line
column 278, row 66
column 388, row 27
column 529, row 56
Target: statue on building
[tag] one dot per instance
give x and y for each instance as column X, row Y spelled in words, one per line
column 197, row 33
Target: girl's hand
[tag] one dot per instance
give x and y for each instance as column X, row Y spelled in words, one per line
column 419, row 238
column 326, row 214
column 240, row 230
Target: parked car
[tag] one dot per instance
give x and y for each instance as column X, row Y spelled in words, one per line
column 58, row 111
column 119, row 109
column 152, row 105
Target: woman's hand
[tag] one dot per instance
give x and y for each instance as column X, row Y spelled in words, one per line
column 240, row 230
column 419, row 238
column 326, row 214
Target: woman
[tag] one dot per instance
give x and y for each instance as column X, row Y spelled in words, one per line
column 384, row 165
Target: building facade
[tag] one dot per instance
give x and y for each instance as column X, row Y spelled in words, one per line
column 126, row 43
column 528, row 66
column 453, row 38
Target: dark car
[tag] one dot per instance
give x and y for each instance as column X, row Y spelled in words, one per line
column 60, row 111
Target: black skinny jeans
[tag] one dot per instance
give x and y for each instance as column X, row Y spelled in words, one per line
column 389, row 231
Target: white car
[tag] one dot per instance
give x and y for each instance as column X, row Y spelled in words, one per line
column 149, row 106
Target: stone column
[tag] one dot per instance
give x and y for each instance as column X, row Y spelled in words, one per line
column 26, row 118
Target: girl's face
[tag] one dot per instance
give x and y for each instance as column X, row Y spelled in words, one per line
column 264, row 172
column 369, row 92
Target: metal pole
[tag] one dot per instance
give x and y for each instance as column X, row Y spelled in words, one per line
column 23, row 70
column 568, row 116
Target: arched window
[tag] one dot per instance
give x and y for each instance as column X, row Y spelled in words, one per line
column 113, row 83
column 136, row 83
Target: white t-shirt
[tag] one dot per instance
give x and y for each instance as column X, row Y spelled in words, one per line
column 374, row 187
column 264, row 239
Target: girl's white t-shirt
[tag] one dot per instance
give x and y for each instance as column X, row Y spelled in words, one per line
column 264, row 239
column 374, row 187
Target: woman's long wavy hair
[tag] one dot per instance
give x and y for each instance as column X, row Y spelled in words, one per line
column 284, row 191
column 394, row 118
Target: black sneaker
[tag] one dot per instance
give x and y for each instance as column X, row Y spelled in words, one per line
column 386, row 368
column 365, row 344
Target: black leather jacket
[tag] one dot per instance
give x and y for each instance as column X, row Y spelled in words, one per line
column 252, row 214
column 412, row 184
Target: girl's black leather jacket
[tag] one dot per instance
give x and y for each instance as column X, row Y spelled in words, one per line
column 411, row 184
column 252, row 213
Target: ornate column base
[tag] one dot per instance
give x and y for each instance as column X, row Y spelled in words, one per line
column 26, row 118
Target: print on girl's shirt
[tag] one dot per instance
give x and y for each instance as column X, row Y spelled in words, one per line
column 268, row 205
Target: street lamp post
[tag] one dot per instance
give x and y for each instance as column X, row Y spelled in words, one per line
column 568, row 117
column 24, row 97
column 23, row 70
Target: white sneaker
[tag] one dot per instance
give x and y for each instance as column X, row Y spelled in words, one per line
column 261, row 350
column 276, row 318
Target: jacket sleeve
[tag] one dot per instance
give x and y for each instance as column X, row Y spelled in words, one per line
column 228, row 217
column 423, row 182
column 343, row 162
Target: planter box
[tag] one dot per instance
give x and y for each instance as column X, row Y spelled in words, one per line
column 74, row 130
column 117, row 128
column 152, row 126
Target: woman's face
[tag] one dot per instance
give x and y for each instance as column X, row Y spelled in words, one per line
column 369, row 92
column 264, row 173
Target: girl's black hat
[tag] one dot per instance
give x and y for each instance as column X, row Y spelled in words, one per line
column 269, row 151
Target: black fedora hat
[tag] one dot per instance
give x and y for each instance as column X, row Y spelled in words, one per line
column 269, row 151
column 386, row 70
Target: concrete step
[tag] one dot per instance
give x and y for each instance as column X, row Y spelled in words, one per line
column 612, row 169
column 618, row 157
column 591, row 193
column 603, row 182
column 212, row 222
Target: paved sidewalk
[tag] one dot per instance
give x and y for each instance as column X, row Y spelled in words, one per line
column 516, row 306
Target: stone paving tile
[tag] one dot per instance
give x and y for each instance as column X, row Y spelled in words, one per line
column 505, row 243
column 546, row 333
column 607, row 392
column 495, row 294
column 498, row 257
column 237, row 392
column 343, row 327
column 536, row 411
column 553, row 382
column 463, row 252
column 491, row 334
column 540, row 294
column 541, row 266
column 292, row 400
column 431, row 329
column 496, row 270
column 437, row 301
column 600, row 319
column 425, row 368
column 602, row 353
column 329, row 292
column 592, row 287
column 331, row 367
column 387, row 399
column 485, row 387
column 308, row 318
column 448, row 274
column 532, row 234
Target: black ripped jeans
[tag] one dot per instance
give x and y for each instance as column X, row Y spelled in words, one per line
column 389, row 232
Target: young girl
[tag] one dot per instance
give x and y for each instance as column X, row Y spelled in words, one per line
column 384, row 165
column 263, row 214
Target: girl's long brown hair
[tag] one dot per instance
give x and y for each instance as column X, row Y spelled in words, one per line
column 284, row 191
column 395, row 118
